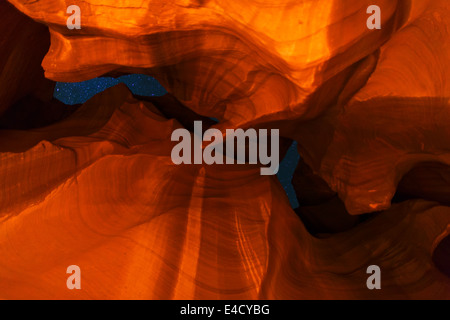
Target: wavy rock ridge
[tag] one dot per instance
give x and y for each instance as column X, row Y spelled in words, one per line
column 96, row 186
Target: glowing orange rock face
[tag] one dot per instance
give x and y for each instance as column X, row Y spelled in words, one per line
column 137, row 225
column 396, row 121
column 99, row 189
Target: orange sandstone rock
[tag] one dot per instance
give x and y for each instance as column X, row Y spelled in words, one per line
column 99, row 190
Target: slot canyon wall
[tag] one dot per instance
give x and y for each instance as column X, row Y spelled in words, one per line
column 93, row 185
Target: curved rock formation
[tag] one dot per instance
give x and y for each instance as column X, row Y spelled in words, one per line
column 20, row 67
column 368, row 108
column 26, row 96
column 395, row 122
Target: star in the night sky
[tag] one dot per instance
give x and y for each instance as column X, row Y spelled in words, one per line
column 80, row 92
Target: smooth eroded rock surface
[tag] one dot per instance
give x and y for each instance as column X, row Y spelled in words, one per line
column 96, row 186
